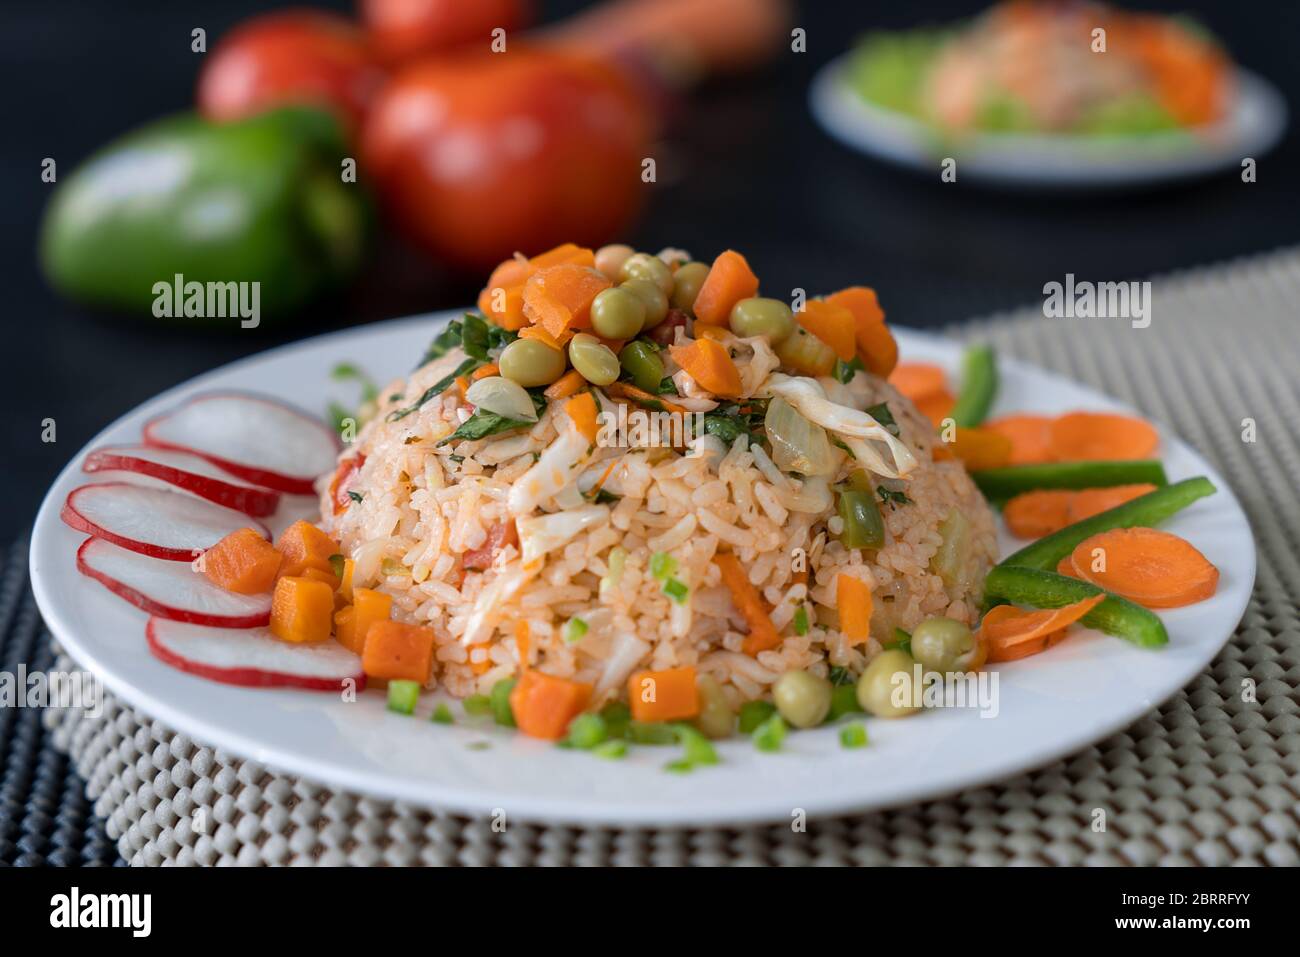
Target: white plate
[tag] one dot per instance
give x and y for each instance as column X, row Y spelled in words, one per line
column 1255, row 122
column 1049, row 705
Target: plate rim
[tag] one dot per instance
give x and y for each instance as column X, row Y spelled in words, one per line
column 641, row 813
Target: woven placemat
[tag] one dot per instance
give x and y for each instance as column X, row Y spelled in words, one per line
column 1207, row 778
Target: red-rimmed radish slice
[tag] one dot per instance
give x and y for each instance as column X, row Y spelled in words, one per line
column 252, row 657
column 259, row 439
column 172, row 590
column 184, row 470
column 153, row 522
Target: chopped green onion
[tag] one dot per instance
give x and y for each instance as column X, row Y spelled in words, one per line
column 770, row 735
column 442, row 714
column 677, row 591
column 402, row 696
column 651, row 732
column 477, row 704
column 801, row 620
column 356, row 496
column 662, row 565
column 863, row 527
column 680, row 766
column 500, row 700
column 574, row 630
column 902, row 641
column 610, row 750
column 617, row 716
column 844, row 700
column 853, row 736
column 698, row 749
column 617, row 558
column 754, row 713
column 338, row 565
column 586, row 731
column 839, row 675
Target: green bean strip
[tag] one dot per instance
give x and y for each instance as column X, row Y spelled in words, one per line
column 1041, row 589
column 1003, row 483
column 979, row 385
column 1146, row 511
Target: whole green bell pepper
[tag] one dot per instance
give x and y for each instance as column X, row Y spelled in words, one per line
column 183, row 203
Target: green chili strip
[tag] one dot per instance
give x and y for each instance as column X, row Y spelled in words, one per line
column 1042, row 589
column 1001, row 484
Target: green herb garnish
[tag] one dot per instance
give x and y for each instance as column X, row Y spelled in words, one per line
column 437, row 389
column 337, row 563
column 801, row 620
column 442, row 714
column 882, row 415
column 356, row 496
column 892, row 498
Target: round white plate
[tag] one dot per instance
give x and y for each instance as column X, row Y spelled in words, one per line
column 1254, row 123
column 1047, row 706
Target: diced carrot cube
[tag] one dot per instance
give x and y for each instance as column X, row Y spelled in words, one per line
column 875, row 342
column 567, row 253
column 345, row 584
column 302, row 610
column 559, row 298
column 669, row 695
column 306, row 546
column 242, row 562
column 729, row 280
column 316, row 575
column 543, row 705
column 831, row 324
column 397, row 651
column 855, row 605
column 352, row 622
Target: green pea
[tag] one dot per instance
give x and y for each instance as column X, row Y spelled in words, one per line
column 943, row 645
column 617, row 314
column 885, row 686
column 641, row 361
column 650, row 268
column 531, row 363
column 802, row 698
column 762, row 317
column 594, row 360
column 715, row 718
column 686, row 284
column 652, row 297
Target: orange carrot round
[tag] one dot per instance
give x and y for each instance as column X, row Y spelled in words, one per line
column 1030, row 444
column 919, row 379
column 1035, row 514
column 1098, row 436
column 981, row 449
column 1010, row 631
column 1150, row 567
column 936, row 406
column 1087, row 502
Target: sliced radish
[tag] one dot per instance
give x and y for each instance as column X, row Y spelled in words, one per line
column 259, row 439
column 153, row 522
column 252, row 657
column 187, row 471
column 169, row 589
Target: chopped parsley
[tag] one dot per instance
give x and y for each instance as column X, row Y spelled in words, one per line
column 892, row 498
column 355, row 496
column 845, row 371
column 483, row 423
column 882, row 415
column 801, row 620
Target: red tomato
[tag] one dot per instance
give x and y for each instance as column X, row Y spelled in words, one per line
column 296, row 56
column 403, row 30
column 479, row 155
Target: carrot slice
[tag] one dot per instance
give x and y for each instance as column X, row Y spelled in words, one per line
column 1026, row 648
column 1096, row 436
column 1035, row 514
column 566, row 385
column 1066, row 567
column 916, row 380
column 502, row 299
column 483, row 372
column 853, row 600
column 708, row 363
column 543, row 705
column 1088, row 502
column 541, row 335
column 582, row 410
column 876, row 345
column 832, row 324
column 729, row 280
column 1030, row 441
column 762, row 633
column 981, row 449
column 668, row 695
column 936, row 406
column 567, row 253
column 1153, row 568
column 243, row 562
column 558, row 298
column 1007, row 627
column 625, row 390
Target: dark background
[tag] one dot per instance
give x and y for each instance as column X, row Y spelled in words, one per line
column 743, row 166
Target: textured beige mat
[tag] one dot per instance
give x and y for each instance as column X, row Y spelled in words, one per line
column 1205, row 779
